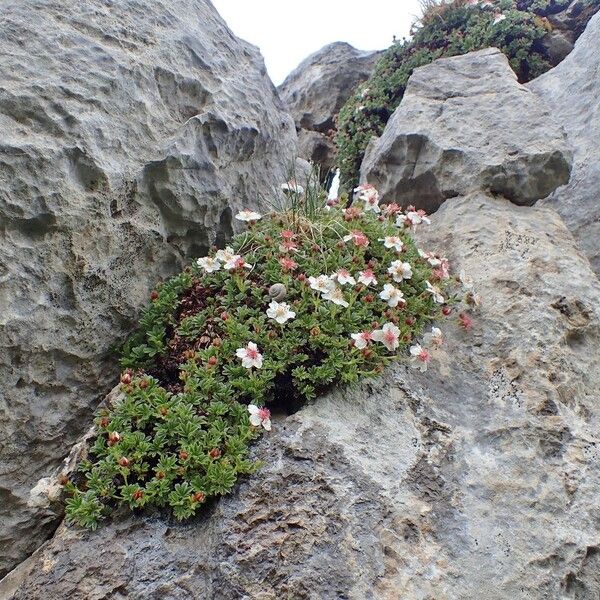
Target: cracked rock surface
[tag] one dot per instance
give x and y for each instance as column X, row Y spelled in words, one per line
column 131, row 132
column 477, row 479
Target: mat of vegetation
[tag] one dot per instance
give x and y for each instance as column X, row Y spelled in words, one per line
column 309, row 296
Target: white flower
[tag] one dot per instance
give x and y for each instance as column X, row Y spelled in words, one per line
column 388, row 335
column 433, row 339
column 292, row 186
column 362, row 339
column 393, row 241
column 209, row 264
column 417, row 217
column 248, row 216
column 280, row 312
column 225, row 255
column 236, row 262
column 400, row 270
column 466, row 281
column 343, row 277
column 392, row 295
column 250, row 356
column 499, row 17
column 370, row 196
column 336, row 296
column 419, row 357
column 367, row 277
column 322, row 283
column 412, row 218
column 435, row 292
column 260, row 416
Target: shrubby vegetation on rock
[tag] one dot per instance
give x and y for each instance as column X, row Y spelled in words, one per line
column 516, row 27
column 307, row 297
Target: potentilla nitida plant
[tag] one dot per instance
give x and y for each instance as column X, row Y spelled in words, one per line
column 302, row 299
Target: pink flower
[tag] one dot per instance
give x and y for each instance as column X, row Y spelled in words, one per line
column 250, row 356
column 419, row 357
column 288, row 246
column 343, row 277
column 352, row 212
column 287, row 234
column 288, row 264
column 362, row 339
column 367, row 277
column 388, row 335
column 236, row 262
column 391, row 209
column 260, row 416
column 465, row 321
column 358, row 238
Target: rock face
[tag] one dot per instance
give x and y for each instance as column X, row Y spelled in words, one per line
column 572, row 21
column 466, row 124
column 131, row 131
column 316, row 91
column 477, row 479
column 572, row 90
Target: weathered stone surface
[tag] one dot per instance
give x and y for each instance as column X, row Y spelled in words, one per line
column 131, row 131
column 320, row 85
column 466, row 124
column 572, row 21
column 557, row 46
column 572, row 90
column 316, row 90
column 477, row 479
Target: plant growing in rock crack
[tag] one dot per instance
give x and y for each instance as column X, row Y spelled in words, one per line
column 308, row 296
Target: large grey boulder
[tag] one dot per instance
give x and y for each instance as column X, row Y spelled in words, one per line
column 476, row 479
column 131, row 131
column 572, row 90
column 466, row 124
column 316, row 90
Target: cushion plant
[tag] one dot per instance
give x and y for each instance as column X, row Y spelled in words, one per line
column 308, row 296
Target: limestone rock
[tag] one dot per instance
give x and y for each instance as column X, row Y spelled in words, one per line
column 316, row 91
column 477, row 479
column 572, row 21
column 466, row 124
column 131, row 131
column 572, row 90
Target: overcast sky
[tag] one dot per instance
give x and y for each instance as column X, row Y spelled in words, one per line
column 287, row 32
